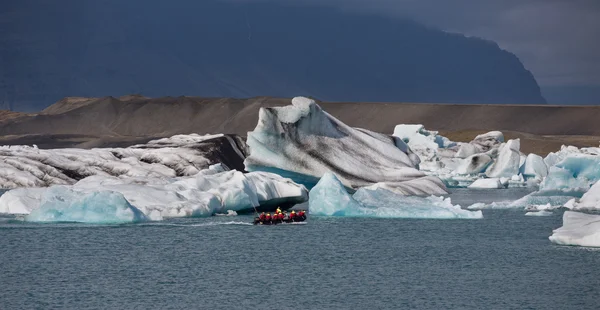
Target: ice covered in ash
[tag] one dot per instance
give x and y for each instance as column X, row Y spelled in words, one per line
column 63, row 204
column 578, row 229
column 330, row 198
column 303, row 142
column 474, row 164
column 211, row 191
column 181, row 155
column 483, row 143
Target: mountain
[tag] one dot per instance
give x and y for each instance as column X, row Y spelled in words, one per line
column 217, row 48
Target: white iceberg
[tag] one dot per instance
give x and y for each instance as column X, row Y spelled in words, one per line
column 534, row 167
column 578, row 229
column 507, row 163
column 493, row 183
column 539, row 213
column 589, row 201
column 303, row 142
column 329, row 198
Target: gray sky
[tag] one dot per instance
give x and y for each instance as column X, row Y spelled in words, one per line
column 558, row 40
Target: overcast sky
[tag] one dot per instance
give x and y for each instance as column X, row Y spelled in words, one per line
column 558, row 40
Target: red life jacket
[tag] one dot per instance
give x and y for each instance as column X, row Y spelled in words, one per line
column 268, row 217
column 292, row 215
column 280, row 216
column 262, row 217
column 301, row 213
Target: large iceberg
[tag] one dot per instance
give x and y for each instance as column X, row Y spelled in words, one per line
column 578, row 229
column 62, row 204
column 303, row 142
column 180, row 155
column 330, row 198
column 209, row 192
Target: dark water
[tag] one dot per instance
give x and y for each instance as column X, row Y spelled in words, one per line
column 504, row 261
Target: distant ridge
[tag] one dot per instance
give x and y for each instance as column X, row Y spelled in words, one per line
column 111, row 121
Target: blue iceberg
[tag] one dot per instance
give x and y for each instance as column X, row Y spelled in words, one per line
column 61, row 204
column 330, row 198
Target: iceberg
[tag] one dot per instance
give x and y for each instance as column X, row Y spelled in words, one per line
column 180, row 155
column 493, row 183
column 507, row 163
column 575, row 170
column 539, row 213
column 416, row 136
column 21, row 200
column 330, row 198
column 303, row 142
column 487, row 142
column 589, row 201
column 534, row 167
column 62, row 204
column 474, row 164
column 578, row 229
column 556, row 198
column 211, row 191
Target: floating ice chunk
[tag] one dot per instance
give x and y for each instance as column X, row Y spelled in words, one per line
column 543, row 197
column 416, row 136
column 487, row 183
column 534, row 166
column 329, row 198
column 539, row 213
column 589, row 201
column 21, row 200
column 229, row 213
column 474, row 164
column 507, row 163
column 61, row 204
column 578, row 229
column 481, row 144
column 494, row 205
column 476, row 206
column 573, row 171
column 303, row 142
column 541, row 207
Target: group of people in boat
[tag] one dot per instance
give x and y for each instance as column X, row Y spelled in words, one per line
column 280, row 217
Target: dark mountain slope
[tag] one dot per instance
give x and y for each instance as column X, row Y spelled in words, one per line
column 51, row 50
